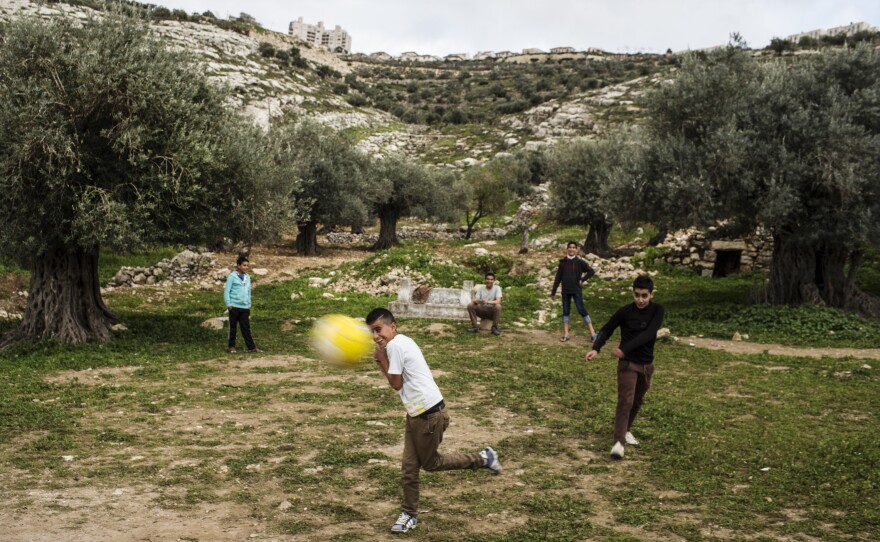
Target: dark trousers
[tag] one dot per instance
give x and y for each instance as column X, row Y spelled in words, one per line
column 578, row 303
column 423, row 436
column 484, row 311
column 240, row 317
column 633, row 381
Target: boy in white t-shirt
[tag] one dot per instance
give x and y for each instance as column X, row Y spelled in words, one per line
column 403, row 364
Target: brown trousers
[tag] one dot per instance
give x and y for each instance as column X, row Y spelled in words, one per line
column 633, row 381
column 484, row 311
column 423, row 437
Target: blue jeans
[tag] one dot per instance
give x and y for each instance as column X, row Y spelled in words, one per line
column 578, row 303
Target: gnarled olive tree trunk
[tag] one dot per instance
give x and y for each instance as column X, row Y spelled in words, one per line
column 597, row 238
column 817, row 274
column 387, row 232
column 64, row 300
column 307, row 239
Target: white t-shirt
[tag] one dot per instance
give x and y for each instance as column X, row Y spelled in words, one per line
column 487, row 295
column 419, row 391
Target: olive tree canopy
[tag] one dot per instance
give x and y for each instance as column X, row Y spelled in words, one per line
column 790, row 146
column 109, row 139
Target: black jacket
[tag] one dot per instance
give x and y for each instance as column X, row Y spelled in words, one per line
column 638, row 331
column 571, row 273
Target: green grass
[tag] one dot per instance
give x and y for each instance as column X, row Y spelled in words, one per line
column 758, row 447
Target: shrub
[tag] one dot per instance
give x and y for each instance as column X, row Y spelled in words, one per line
column 266, row 50
column 357, row 100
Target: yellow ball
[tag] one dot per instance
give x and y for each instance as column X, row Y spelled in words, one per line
column 341, row 339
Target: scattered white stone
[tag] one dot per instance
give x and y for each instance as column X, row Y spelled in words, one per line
column 261, row 271
column 68, row 457
column 328, row 295
column 376, row 422
column 765, row 469
column 663, row 332
column 119, row 327
column 691, row 344
column 866, row 366
column 136, row 457
column 295, row 295
column 215, row 323
column 736, row 337
column 284, row 505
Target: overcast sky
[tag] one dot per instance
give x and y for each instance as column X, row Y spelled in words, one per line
column 442, row 27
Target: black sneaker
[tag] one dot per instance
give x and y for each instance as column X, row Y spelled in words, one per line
column 474, row 330
column 495, row 331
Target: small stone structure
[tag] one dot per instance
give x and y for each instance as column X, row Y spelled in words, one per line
column 449, row 303
column 713, row 256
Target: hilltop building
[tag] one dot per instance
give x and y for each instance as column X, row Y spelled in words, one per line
column 846, row 30
column 336, row 40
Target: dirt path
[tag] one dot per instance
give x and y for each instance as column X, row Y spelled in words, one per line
column 582, row 342
column 742, row 347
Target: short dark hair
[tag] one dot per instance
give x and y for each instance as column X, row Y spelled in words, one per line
column 644, row 282
column 241, row 259
column 380, row 314
column 488, row 274
column 568, row 244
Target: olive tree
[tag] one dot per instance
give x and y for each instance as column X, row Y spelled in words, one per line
column 108, row 139
column 401, row 188
column 580, row 172
column 793, row 147
column 489, row 187
column 332, row 178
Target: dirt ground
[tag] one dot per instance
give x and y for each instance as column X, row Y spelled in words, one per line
column 131, row 508
column 123, row 508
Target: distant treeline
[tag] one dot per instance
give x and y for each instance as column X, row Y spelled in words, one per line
column 781, row 45
column 241, row 24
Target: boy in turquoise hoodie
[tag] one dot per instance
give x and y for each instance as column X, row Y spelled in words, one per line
column 237, row 296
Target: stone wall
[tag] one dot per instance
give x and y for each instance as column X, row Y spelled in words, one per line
column 700, row 250
column 184, row 267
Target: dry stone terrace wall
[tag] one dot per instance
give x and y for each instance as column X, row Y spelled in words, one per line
column 187, row 266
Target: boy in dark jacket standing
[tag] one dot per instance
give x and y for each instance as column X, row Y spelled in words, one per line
column 638, row 322
column 571, row 273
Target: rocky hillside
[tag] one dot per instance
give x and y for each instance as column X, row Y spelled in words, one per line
column 453, row 114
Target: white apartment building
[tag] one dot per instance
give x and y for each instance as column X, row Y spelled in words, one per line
column 846, row 30
column 558, row 50
column 336, row 40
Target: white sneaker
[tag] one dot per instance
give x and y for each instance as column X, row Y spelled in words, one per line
column 491, row 458
column 617, row 451
column 404, row 523
column 631, row 440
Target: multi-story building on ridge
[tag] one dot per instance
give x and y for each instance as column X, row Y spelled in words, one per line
column 336, row 40
column 846, row 30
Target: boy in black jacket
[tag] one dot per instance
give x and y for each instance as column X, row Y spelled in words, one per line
column 571, row 273
column 639, row 323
